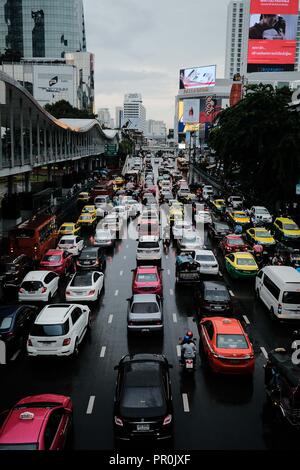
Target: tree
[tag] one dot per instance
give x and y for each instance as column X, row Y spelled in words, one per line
column 258, row 141
column 63, row 109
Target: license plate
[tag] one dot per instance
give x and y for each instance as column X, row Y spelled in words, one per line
column 217, row 307
column 143, row 427
column 78, row 293
column 86, row 262
column 145, row 330
column 189, row 365
column 46, row 343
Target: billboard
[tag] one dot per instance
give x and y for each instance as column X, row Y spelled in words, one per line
column 54, row 83
column 272, row 35
column 210, row 107
column 197, row 77
column 191, row 111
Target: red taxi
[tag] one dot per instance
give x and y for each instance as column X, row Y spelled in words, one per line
column 147, row 280
column 226, row 346
column 58, row 261
column 232, row 243
column 40, row 422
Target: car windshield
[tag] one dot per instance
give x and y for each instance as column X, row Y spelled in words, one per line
column 6, row 322
column 88, row 255
column 67, row 227
column 263, row 235
column 291, row 298
column 182, row 225
column 246, row 262
column 52, row 258
column 32, row 446
column 82, row 280
column 191, row 239
column 31, row 286
column 103, row 234
column 148, row 245
column 239, row 215
column 85, row 217
column 50, row 330
column 145, row 307
column 147, row 277
column 217, row 295
column 222, row 227
column 142, row 393
column 235, row 241
column 206, row 258
column 231, row 341
column 261, row 210
column 67, row 242
column 290, row 226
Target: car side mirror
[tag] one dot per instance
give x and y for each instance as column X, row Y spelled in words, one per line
column 128, row 300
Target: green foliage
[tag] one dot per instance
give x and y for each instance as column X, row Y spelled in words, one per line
column 125, row 148
column 258, row 141
column 63, row 109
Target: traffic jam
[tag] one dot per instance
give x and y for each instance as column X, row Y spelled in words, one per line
column 159, row 306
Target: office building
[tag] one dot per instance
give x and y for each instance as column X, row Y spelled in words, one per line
column 119, row 117
column 156, row 129
column 85, row 66
column 134, row 112
column 104, row 117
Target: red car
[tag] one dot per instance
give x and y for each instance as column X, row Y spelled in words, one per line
column 58, row 261
column 147, row 280
column 150, row 189
column 226, row 346
column 40, row 422
column 232, row 243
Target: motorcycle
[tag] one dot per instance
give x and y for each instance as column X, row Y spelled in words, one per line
column 166, row 244
column 188, row 363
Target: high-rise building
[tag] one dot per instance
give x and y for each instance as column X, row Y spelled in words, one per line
column 41, row 28
column 134, row 112
column 156, row 129
column 84, row 63
column 119, row 117
column 234, row 50
column 104, row 117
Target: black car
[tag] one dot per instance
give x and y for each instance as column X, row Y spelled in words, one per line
column 91, row 258
column 15, row 324
column 218, row 230
column 143, row 399
column 13, row 269
column 213, row 297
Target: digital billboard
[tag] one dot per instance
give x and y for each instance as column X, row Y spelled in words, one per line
column 191, row 111
column 197, row 77
column 272, row 35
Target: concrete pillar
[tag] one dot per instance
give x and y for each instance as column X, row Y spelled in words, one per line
column 90, row 165
column 76, row 166
column 38, row 138
column 49, row 173
column 82, row 164
column 1, row 155
column 22, row 131
column 51, row 143
column 12, row 131
column 45, row 144
column 30, row 137
column 27, row 183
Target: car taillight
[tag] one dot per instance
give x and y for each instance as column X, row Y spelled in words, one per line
column 92, row 292
column 158, row 322
column 21, row 290
column 68, row 292
column 43, row 290
column 118, row 421
column 167, row 420
column 66, row 342
column 29, row 342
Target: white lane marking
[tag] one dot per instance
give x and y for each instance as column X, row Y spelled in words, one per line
column 121, row 273
column 116, row 293
column 169, row 272
column 246, row 319
column 174, row 318
column 264, row 352
column 171, row 292
column 110, row 318
column 103, row 351
column 231, row 293
column 90, row 405
column 178, row 347
column 220, row 274
column 185, row 400
column 16, row 355
column 167, row 257
column 125, row 257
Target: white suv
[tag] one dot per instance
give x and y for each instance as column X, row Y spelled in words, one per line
column 148, row 249
column 58, row 330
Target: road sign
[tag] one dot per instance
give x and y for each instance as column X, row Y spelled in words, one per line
column 110, row 149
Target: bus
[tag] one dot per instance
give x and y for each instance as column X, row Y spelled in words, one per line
column 34, row 237
column 101, row 189
column 182, row 164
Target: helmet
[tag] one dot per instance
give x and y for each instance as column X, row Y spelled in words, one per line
column 189, row 334
column 258, row 248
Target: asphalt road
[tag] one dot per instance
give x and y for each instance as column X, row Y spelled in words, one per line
column 210, row 411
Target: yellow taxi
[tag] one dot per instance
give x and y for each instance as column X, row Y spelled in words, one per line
column 286, row 229
column 239, row 218
column 260, row 236
column 119, row 181
column 68, row 228
column 241, row 265
column 87, row 220
column 176, row 212
column 89, row 210
column 218, row 204
column 83, row 197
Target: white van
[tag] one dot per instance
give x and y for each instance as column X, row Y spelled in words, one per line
column 279, row 289
column 207, row 191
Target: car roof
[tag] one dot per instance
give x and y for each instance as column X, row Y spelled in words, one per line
column 9, row 310
column 214, row 285
column 18, row 431
column 36, row 275
column 143, row 358
column 233, row 236
column 53, row 314
column 68, row 237
column 243, row 254
column 149, row 238
column 144, row 298
column 67, row 223
column 227, row 325
column 54, row 252
column 147, row 269
column 284, row 219
column 204, row 252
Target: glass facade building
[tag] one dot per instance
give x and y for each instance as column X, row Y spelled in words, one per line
column 41, row 28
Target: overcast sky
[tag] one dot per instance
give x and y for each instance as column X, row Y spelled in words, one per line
column 140, row 46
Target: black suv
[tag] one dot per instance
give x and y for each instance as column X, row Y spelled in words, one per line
column 91, row 258
column 218, row 230
column 143, row 400
column 213, row 297
column 13, row 270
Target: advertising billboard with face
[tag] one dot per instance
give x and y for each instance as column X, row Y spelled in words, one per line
column 198, row 77
column 272, row 35
column 191, row 111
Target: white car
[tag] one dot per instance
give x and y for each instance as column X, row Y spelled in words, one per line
column 207, row 192
column 133, row 207
column 103, row 238
column 85, row 287
column 148, row 249
column 260, row 214
column 71, row 243
column 121, row 211
column 191, row 242
column 181, row 228
column 236, row 202
column 207, row 261
column 203, row 217
column 58, row 330
column 113, row 222
column 39, row 286
column 149, row 214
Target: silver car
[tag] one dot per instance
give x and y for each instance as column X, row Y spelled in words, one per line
column 145, row 314
column 104, row 238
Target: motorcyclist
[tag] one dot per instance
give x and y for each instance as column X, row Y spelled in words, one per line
column 277, row 260
column 238, row 230
column 258, row 254
column 166, row 236
column 189, row 351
